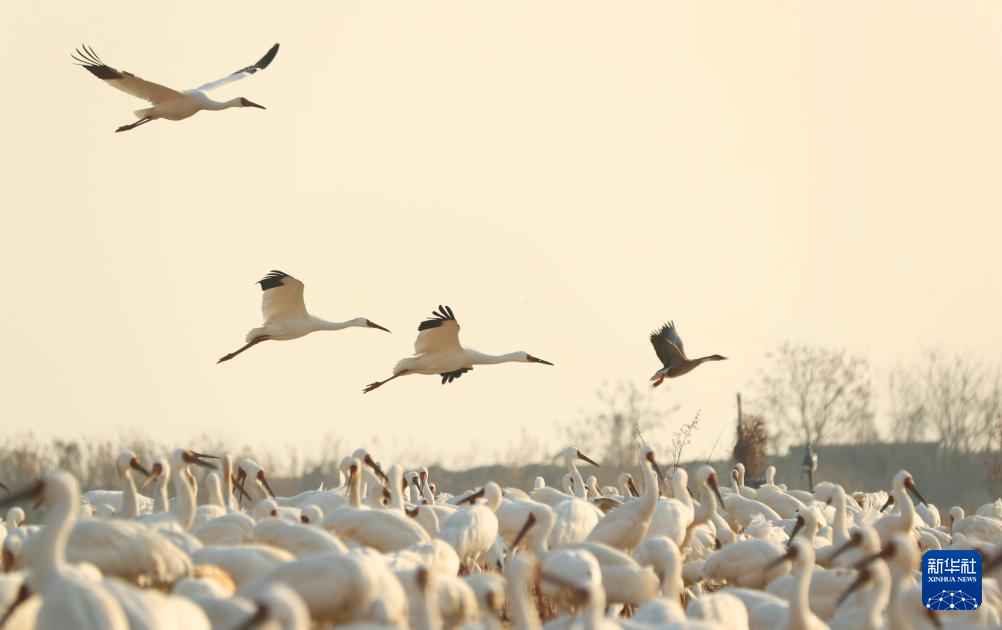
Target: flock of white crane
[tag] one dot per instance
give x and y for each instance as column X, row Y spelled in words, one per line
column 387, row 549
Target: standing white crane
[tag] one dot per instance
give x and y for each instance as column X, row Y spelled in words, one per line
column 167, row 102
column 285, row 314
column 437, row 351
column 69, row 600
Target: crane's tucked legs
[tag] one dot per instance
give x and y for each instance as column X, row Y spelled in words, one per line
column 372, row 386
column 252, row 342
column 141, row 121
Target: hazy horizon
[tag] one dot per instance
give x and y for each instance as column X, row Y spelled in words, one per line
column 566, row 176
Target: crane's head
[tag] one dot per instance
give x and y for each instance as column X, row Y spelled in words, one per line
column 528, row 358
column 245, row 103
column 362, row 322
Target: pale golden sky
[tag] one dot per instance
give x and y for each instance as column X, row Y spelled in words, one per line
column 566, row 175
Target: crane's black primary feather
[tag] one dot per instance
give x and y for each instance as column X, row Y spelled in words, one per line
column 443, row 314
column 262, row 63
column 448, row 377
column 272, row 280
column 93, row 64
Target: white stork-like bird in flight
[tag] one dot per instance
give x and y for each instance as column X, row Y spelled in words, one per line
column 285, row 315
column 167, row 102
column 668, row 346
column 437, row 351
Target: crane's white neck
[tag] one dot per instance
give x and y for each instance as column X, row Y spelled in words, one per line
column 323, row 324
column 840, row 526
column 540, row 541
column 520, row 580
column 476, row 357
column 130, row 499
column 160, row 502
column 800, row 610
column 215, row 491
column 578, row 487
column 228, row 502
column 355, row 490
column 48, row 557
column 396, row 490
column 185, row 505
column 219, row 105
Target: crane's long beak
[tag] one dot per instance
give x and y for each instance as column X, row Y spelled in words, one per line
column 532, row 359
column 238, row 485
column 585, row 458
column 375, row 467
column 252, row 104
column 135, row 465
column 472, row 497
column 910, row 485
column 716, row 488
column 264, row 482
column 529, row 522
column 198, row 459
column 791, row 552
column 375, row 325
column 888, row 503
column 796, row 528
column 860, row 580
column 157, row 471
column 852, row 542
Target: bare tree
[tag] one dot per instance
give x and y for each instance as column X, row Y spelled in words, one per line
column 906, row 407
column 817, row 395
column 611, row 433
column 955, row 399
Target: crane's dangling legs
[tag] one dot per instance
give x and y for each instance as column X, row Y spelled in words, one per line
column 372, row 386
column 252, row 342
column 658, row 382
column 141, row 121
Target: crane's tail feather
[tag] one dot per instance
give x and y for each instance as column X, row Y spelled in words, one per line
column 254, row 333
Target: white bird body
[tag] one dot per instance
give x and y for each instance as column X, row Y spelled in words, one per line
column 437, row 351
column 285, row 316
column 168, row 103
column 625, row 527
column 794, row 613
column 244, row 562
column 743, row 563
column 983, row 529
column 148, row 609
column 336, row 588
column 471, row 531
column 68, row 599
column 672, row 516
column 298, row 539
column 128, row 550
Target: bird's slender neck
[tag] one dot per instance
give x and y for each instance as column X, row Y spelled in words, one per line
column 355, row 490
column 185, row 505
column 215, row 491
column 228, row 484
column 218, row 105
column 578, row 487
column 540, row 541
column 48, row 557
column 160, row 502
column 323, row 324
column 480, row 358
column 906, row 509
column 800, row 610
column 523, row 612
column 651, row 489
column 841, row 528
column 130, row 500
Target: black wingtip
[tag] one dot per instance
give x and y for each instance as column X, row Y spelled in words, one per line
column 443, row 314
column 272, row 280
column 269, row 56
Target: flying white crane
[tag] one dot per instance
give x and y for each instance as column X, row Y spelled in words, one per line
column 285, row 314
column 169, row 103
column 437, row 351
column 668, row 346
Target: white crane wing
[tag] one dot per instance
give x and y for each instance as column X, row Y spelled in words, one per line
column 438, row 334
column 282, row 298
column 128, row 83
column 261, row 64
